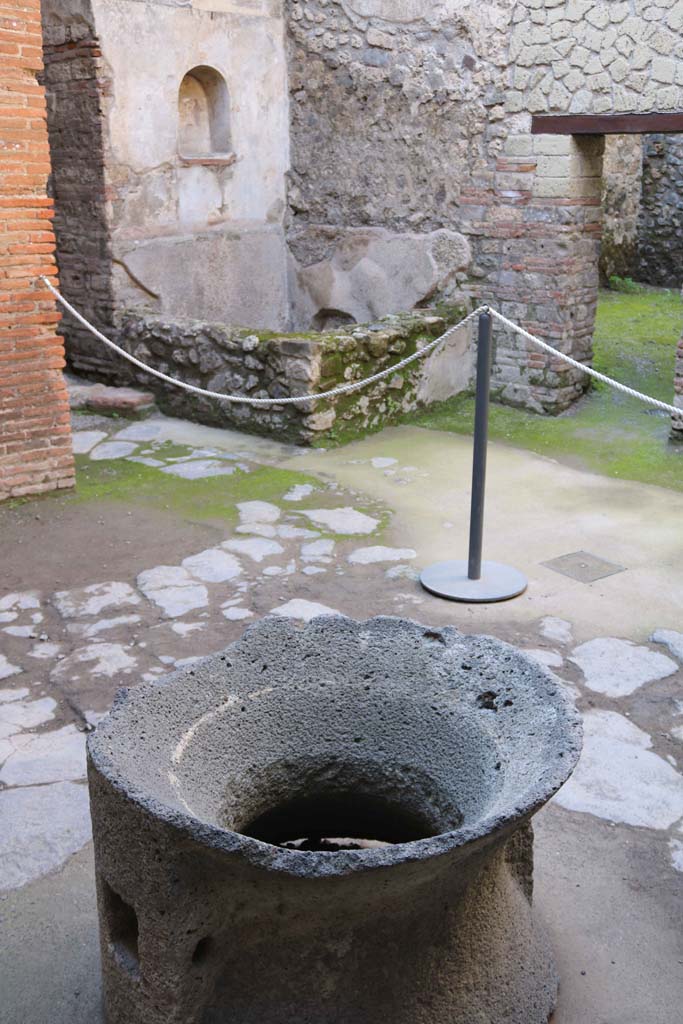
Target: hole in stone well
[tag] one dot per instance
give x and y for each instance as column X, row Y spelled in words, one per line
column 202, row 950
column 487, row 700
column 339, row 821
column 122, row 922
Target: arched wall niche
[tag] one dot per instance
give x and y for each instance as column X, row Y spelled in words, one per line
column 204, row 116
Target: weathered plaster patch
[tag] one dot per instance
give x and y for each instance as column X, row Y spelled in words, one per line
column 258, row 512
column 185, row 628
column 619, row 778
column 112, row 450
column 7, row 669
column 256, row 548
column 92, row 600
column 102, row 659
column 101, row 626
column 618, row 667
column 298, row 608
column 342, row 520
column 40, row 828
column 316, row 550
column 20, row 631
column 298, row 492
column 235, row 613
column 20, row 601
column 173, row 589
column 551, row 659
column 368, row 556
column 83, row 440
column 57, row 756
column 671, row 639
column 559, row 631
column 199, row 470
column 22, row 714
column 213, row 566
column 44, row 651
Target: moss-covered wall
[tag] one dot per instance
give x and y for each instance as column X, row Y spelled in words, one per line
column 265, row 365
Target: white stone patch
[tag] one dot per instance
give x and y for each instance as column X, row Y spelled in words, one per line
column 677, row 733
column 342, row 520
column 213, row 566
column 9, row 695
column 45, row 650
column 551, row 659
column 92, row 629
column 7, row 669
column 256, row 548
column 618, row 667
column 83, row 440
column 40, row 828
column 57, row 756
column 235, row 614
column 398, row 572
column 382, row 463
column 102, row 659
column 619, row 778
column 671, row 639
column 145, row 460
column 298, row 492
column 258, row 512
column 112, row 450
column 8, row 616
column 558, row 631
column 312, row 570
column 298, row 608
column 20, row 602
column 147, row 430
column 295, row 533
column 72, row 604
column 259, row 529
column 173, row 589
column 185, row 628
column 676, row 847
column 368, row 556
column 21, row 631
column 199, row 470
column 25, row 714
column 317, row 549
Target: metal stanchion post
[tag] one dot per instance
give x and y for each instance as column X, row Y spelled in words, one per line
column 474, row 581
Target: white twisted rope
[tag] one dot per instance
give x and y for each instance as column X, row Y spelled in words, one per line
column 345, row 389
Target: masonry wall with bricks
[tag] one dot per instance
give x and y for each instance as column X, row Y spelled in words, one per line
column 35, row 439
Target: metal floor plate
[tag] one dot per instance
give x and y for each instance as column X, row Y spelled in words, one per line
column 583, row 567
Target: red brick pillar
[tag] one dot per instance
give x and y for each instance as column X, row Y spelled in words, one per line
column 35, row 438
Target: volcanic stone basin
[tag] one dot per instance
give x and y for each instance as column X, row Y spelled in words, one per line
column 421, row 753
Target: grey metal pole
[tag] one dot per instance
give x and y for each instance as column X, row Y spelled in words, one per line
column 471, row 580
column 481, row 438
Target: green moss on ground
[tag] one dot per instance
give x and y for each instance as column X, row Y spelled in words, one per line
column 208, row 499
column 606, row 432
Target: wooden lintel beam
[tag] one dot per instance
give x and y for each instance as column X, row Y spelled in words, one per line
column 606, row 124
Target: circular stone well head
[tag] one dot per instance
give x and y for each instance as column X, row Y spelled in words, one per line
column 309, row 796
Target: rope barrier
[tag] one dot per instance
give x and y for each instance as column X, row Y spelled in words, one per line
column 345, row 389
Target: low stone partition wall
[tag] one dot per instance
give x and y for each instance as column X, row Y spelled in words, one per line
column 677, row 422
column 262, row 364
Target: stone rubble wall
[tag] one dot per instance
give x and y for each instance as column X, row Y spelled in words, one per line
column 621, row 187
column 592, row 57
column 660, row 228
column 237, row 361
column 76, row 82
column 35, row 435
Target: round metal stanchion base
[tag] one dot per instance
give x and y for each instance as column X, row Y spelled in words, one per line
column 450, row 580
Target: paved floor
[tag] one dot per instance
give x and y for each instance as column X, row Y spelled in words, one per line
column 97, row 593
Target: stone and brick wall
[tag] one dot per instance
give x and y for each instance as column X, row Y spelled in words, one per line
column 259, row 364
column 660, row 227
column 35, row 440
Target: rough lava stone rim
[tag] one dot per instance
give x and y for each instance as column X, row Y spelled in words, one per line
column 313, row 864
